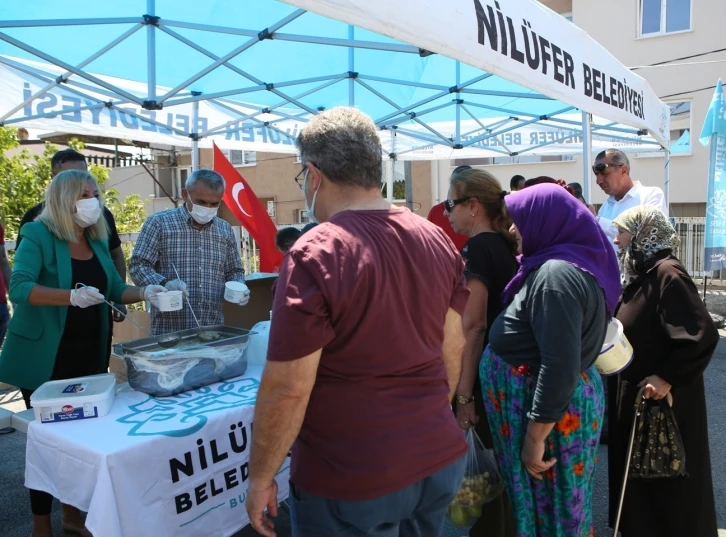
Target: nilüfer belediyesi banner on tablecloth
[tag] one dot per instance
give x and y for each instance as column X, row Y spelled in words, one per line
column 714, row 133
column 155, row 467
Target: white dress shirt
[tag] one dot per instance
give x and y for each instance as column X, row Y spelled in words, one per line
column 636, row 196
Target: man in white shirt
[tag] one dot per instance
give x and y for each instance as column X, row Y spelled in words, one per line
column 612, row 172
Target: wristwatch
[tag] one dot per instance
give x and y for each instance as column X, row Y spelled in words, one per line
column 461, row 400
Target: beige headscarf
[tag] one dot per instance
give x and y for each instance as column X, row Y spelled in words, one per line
column 652, row 234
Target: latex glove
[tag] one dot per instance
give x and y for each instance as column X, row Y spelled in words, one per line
column 151, row 293
column 85, row 297
column 177, row 285
column 245, row 298
column 120, row 315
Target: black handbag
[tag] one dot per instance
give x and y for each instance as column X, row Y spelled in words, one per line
column 658, row 450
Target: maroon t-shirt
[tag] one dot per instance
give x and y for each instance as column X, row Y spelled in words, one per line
column 371, row 288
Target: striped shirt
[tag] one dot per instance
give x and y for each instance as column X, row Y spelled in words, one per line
column 206, row 258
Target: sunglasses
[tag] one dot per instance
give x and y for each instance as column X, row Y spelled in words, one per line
column 450, row 204
column 600, row 167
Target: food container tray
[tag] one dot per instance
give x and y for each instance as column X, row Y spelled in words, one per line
column 192, row 363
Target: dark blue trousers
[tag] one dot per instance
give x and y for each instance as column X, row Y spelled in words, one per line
column 415, row 511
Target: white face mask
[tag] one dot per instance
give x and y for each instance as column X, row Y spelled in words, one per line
column 310, row 209
column 202, row 214
column 88, row 211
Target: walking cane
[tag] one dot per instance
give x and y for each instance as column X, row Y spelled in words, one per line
column 627, row 461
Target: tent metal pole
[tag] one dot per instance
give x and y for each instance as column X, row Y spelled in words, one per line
column 389, row 181
column 55, row 61
column 402, row 82
column 430, row 99
column 667, row 185
column 69, row 22
column 151, row 51
column 236, row 52
column 458, row 104
column 195, row 136
column 351, row 66
column 586, row 155
column 64, row 76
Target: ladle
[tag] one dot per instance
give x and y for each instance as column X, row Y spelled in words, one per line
column 165, row 341
column 187, row 298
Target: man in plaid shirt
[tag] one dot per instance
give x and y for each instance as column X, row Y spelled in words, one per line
column 203, row 248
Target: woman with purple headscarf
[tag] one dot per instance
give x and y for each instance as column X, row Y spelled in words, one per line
column 543, row 397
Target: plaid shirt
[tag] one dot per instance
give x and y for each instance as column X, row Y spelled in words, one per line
column 206, row 258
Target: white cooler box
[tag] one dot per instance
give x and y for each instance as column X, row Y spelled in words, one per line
column 74, row 399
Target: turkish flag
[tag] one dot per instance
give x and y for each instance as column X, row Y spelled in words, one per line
column 250, row 212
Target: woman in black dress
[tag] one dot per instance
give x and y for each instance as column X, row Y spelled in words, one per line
column 673, row 339
column 60, row 331
column 475, row 207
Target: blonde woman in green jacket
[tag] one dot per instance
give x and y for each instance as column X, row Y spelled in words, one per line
column 59, row 329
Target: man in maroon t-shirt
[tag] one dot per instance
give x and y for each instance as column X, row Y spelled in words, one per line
column 364, row 354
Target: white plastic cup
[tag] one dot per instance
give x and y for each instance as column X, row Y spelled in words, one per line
column 234, row 291
column 170, row 301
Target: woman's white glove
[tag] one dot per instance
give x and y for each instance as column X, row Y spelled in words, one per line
column 151, row 293
column 177, row 285
column 85, row 297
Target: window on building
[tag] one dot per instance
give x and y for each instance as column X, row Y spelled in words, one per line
column 241, row 158
column 658, row 17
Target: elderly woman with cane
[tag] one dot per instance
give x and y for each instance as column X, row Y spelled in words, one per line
column 543, row 397
column 673, row 339
column 62, row 280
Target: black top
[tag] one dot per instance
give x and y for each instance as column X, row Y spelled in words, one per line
column 114, row 241
column 488, row 258
column 78, row 350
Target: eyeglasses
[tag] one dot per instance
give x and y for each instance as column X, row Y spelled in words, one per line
column 450, row 204
column 300, row 177
column 600, row 167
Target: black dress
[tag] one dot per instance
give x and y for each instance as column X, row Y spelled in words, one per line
column 488, row 258
column 673, row 336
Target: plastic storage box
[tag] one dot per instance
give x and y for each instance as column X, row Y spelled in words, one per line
column 74, row 399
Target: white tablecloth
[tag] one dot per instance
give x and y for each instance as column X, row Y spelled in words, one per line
column 173, row 466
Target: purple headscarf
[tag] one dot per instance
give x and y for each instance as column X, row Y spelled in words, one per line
column 555, row 225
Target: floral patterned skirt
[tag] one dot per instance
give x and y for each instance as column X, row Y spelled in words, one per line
column 560, row 504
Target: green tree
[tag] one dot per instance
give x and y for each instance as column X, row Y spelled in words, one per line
column 25, row 177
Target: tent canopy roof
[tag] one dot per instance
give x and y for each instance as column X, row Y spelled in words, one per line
column 267, row 64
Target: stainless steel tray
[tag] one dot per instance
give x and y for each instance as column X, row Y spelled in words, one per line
column 204, row 373
column 230, row 335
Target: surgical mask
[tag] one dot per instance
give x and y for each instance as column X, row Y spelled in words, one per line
column 310, row 209
column 88, row 211
column 202, row 214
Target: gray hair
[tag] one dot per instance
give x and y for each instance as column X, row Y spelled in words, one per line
column 209, row 178
column 343, row 143
column 617, row 157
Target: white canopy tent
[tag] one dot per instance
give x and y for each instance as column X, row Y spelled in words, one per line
column 441, row 79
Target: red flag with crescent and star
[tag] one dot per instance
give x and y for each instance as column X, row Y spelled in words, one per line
column 250, row 212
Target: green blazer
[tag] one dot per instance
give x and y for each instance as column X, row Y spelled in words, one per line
column 34, row 333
